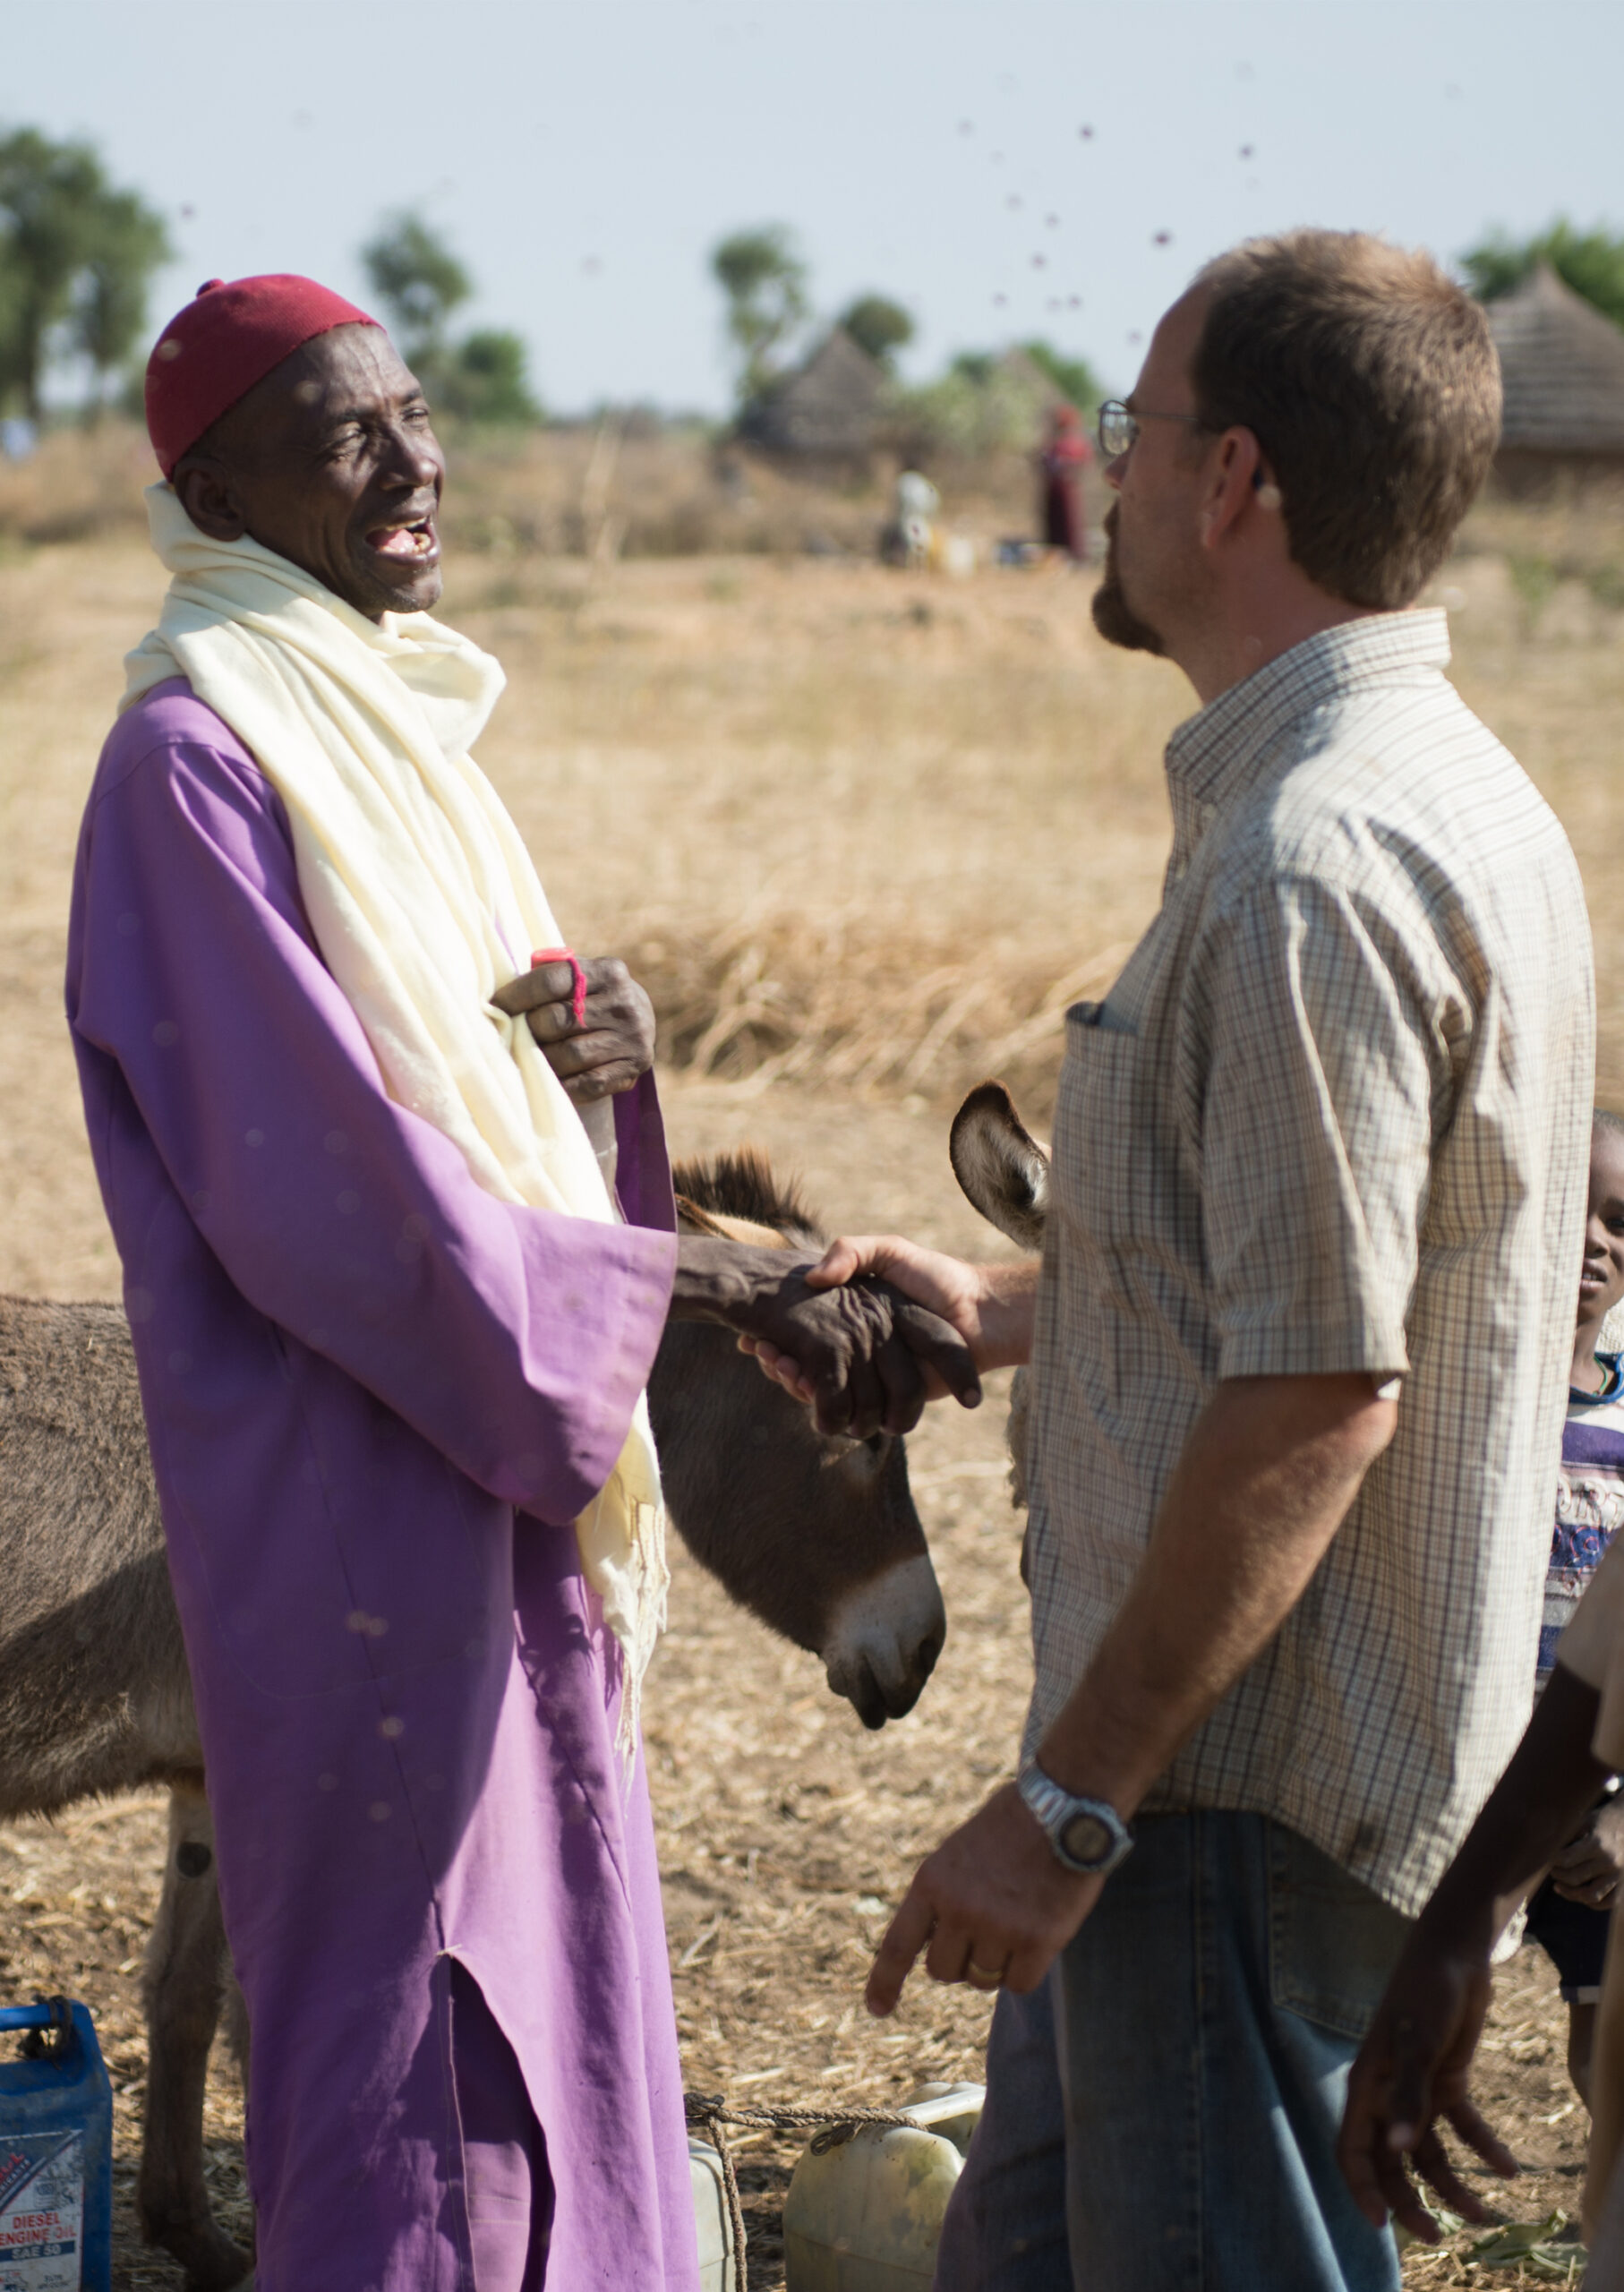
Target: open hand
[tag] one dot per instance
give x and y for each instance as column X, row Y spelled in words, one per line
column 1412, row 2072
column 1590, row 1866
column 991, row 1907
column 612, row 1044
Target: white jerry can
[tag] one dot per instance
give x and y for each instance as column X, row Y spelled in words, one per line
column 866, row 2216
column 716, row 2270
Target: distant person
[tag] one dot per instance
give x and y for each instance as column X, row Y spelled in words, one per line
column 1571, row 1914
column 908, row 540
column 1301, row 1335
column 394, row 1330
column 1065, row 455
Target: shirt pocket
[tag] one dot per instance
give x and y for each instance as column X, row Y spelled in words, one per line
column 1101, row 1172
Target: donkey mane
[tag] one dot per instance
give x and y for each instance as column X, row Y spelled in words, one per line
column 744, row 1185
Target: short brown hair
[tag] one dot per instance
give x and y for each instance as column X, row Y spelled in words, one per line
column 1370, row 382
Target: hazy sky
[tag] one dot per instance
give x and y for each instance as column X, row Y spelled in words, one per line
column 1004, row 168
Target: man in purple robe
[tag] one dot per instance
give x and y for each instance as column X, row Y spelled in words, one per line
column 378, row 1395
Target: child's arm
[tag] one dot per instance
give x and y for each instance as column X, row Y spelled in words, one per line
column 1413, row 2066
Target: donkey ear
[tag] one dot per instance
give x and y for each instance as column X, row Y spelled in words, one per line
column 1000, row 1165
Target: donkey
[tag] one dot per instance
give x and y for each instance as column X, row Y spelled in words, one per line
column 817, row 1536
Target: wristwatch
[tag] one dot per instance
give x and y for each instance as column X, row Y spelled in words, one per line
column 1084, row 1834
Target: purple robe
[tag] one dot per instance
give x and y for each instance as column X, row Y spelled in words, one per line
column 377, row 1398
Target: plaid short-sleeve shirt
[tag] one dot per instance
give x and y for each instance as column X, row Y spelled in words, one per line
column 1334, row 1115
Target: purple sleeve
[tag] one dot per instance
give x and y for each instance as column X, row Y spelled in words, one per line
column 643, row 1170
column 514, row 1340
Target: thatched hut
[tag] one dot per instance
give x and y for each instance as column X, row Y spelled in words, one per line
column 1562, row 366
column 827, row 411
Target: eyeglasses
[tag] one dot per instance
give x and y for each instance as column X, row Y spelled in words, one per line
column 1119, row 427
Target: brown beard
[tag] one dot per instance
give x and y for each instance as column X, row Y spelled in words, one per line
column 1114, row 618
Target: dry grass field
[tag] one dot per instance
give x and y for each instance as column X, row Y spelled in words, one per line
column 864, row 834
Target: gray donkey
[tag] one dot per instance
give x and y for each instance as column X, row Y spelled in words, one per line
column 819, row 1537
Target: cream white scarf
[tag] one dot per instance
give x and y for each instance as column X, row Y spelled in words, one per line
column 418, row 887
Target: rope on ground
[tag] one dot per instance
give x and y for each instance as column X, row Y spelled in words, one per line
column 710, row 2113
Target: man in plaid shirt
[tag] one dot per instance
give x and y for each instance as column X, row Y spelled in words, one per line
column 1300, row 1334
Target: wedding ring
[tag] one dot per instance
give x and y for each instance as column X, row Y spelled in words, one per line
column 983, row 1977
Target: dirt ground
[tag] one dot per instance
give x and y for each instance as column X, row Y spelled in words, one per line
column 746, row 766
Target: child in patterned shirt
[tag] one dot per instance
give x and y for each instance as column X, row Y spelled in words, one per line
column 1572, row 1911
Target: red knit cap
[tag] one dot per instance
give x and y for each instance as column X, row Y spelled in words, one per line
column 214, row 350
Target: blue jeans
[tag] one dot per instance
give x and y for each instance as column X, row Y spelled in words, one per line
column 1162, row 2115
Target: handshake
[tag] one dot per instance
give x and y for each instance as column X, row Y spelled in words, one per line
column 869, row 1334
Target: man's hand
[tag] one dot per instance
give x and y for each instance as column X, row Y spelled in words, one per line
column 1412, row 2070
column 1590, row 1866
column 990, row 1306
column 862, row 1352
column 991, row 1906
column 614, row 1042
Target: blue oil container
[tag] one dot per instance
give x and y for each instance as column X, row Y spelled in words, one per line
column 55, row 2153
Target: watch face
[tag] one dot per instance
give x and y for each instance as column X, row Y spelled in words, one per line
column 1086, row 1840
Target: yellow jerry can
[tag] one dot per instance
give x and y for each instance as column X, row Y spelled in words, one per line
column 717, row 2272
column 865, row 2214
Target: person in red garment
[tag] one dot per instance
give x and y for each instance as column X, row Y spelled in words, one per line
column 1065, row 455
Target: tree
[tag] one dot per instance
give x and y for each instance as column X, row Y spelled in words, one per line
column 419, row 281
column 1073, row 376
column 878, row 326
column 1591, row 262
column 485, row 379
column 983, row 405
column 110, row 301
column 765, row 281
column 75, row 260
column 989, row 402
